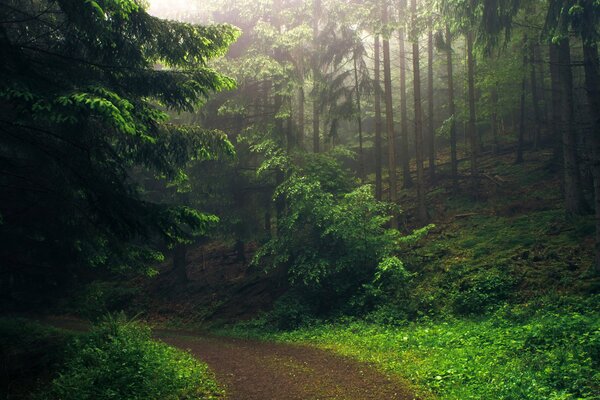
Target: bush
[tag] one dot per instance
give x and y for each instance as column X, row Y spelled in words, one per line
column 28, row 350
column 481, row 292
column 119, row 360
column 289, row 312
column 100, row 297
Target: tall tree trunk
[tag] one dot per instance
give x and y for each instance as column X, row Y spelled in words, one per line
column 430, row 126
column 494, row 117
column 522, row 112
column 378, row 152
column 473, row 137
column 404, row 153
column 574, row 199
column 389, row 115
column 592, row 88
column 451, row 110
column 556, row 105
column 535, row 99
column 301, row 100
column 316, row 75
column 422, row 211
column 361, row 162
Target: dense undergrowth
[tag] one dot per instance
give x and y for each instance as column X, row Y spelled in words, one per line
column 117, row 359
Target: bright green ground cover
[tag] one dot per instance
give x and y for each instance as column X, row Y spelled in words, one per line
column 520, row 352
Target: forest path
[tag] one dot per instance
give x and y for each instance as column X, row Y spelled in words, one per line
column 253, row 370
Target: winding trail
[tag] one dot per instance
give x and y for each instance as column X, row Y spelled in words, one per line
column 252, row 370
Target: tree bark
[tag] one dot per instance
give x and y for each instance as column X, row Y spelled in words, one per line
column 361, row 162
column 473, row 137
column 430, row 124
column 535, row 99
column 556, row 105
column 378, row 152
column 316, row 75
column 574, row 199
column 404, row 153
column 301, row 100
column 494, row 119
column 422, row 211
column 389, row 115
column 451, row 110
column 592, row 88
column 521, row 142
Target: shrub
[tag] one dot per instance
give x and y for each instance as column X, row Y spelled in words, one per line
column 119, row 360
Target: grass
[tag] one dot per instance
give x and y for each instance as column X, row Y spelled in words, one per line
column 530, row 351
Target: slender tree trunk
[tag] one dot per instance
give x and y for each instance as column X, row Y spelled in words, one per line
column 316, row 75
column 536, row 100
column 494, row 117
column 301, row 100
column 361, row 162
column 473, row 137
column 289, row 130
column 378, row 152
column 389, row 116
column 592, row 87
column 404, row 153
column 430, row 125
column 522, row 112
column 574, row 199
column 422, row 211
column 451, row 110
column 556, row 105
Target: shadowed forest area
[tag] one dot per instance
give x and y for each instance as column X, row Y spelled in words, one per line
column 286, row 199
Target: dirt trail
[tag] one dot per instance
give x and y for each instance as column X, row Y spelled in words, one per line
column 253, row 370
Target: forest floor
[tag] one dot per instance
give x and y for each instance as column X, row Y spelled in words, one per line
column 253, row 370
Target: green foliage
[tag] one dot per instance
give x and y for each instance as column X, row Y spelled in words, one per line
column 83, row 115
column 119, row 360
column 535, row 351
column 330, row 245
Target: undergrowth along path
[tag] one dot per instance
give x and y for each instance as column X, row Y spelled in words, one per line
column 253, row 370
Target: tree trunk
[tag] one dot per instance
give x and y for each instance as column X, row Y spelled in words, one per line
column 422, row 212
column 574, row 199
column 378, row 152
column 300, row 135
column 316, row 75
column 473, row 137
column 404, row 153
column 389, row 116
column 556, row 105
column 536, row 100
column 361, row 162
column 494, row 121
column 451, row 110
column 430, row 125
column 592, row 88
column 522, row 113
